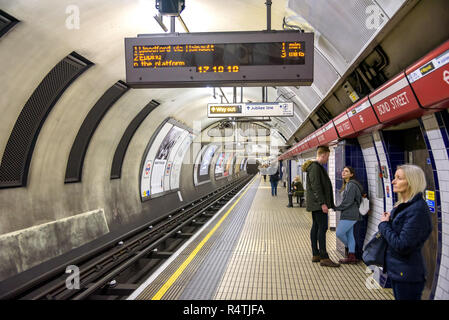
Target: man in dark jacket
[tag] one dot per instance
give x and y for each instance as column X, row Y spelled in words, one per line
column 274, row 178
column 319, row 198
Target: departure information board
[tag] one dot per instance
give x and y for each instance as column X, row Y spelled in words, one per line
column 225, row 59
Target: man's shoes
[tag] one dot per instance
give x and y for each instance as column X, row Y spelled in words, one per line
column 316, row 259
column 328, row 263
column 351, row 259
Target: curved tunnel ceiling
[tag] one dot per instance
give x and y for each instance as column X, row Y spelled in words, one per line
column 50, row 30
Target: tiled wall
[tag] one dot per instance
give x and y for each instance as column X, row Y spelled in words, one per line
column 332, row 220
column 383, row 161
column 348, row 152
column 436, row 131
column 376, row 203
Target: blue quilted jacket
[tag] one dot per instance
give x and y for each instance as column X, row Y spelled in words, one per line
column 409, row 227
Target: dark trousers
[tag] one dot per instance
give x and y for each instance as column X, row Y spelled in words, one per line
column 407, row 290
column 274, row 188
column 318, row 234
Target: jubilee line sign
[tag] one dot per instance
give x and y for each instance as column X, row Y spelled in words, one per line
column 274, row 109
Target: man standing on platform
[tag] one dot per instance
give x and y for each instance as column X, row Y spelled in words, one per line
column 319, row 198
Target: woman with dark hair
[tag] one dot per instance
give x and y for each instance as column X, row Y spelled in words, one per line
column 351, row 198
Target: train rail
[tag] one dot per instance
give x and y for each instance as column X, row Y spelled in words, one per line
column 114, row 270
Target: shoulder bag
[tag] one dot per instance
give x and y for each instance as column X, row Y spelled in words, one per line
column 374, row 251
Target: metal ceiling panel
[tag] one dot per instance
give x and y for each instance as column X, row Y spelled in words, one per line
column 287, row 94
column 390, row 6
column 325, row 75
column 308, row 97
column 349, row 26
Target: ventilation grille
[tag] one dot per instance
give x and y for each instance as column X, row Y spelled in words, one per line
column 119, row 156
column 19, row 148
column 6, row 22
column 76, row 158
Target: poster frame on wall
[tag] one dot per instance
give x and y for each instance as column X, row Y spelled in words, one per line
column 199, row 161
column 222, row 166
column 143, row 161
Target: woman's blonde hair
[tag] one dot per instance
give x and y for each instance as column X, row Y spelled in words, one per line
column 416, row 180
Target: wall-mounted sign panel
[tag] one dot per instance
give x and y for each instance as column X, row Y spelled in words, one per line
column 245, row 165
column 362, row 116
column 429, row 78
column 178, row 160
column 326, row 134
column 202, row 165
column 145, row 184
column 229, row 165
column 219, row 165
column 395, row 100
column 162, row 165
column 242, row 164
column 255, row 58
column 312, row 140
column 220, row 110
column 343, row 125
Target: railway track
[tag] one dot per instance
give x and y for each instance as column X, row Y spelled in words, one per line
column 114, row 270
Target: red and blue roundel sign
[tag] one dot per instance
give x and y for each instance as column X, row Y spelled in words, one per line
column 147, row 168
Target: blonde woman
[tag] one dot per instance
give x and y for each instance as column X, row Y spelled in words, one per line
column 406, row 229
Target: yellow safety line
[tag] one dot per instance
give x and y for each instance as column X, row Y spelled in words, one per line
column 186, row 262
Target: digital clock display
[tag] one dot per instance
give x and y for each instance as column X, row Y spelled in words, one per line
column 227, row 57
column 253, row 58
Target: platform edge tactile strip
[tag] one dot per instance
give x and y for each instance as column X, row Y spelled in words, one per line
column 203, row 285
column 272, row 259
column 184, row 278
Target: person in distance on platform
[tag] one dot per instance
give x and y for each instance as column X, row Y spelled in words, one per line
column 319, row 198
column 405, row 230
column 298, row 189
column 274, row 179
column 351, row 198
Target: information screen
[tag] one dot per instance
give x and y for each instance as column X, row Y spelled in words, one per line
column 223, row 58
column 219, row 57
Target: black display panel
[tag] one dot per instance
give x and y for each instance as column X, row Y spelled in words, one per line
column 219, row 57
column 225, row 59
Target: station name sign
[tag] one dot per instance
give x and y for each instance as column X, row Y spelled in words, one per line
column 220, row 59
column 221, row 110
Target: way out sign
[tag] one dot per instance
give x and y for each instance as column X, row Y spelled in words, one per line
column 275, row 109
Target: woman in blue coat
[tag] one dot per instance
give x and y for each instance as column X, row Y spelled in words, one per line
column 406, row 229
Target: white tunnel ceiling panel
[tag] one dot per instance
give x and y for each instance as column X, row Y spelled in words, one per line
column 348, row 25
column 390, row 7
column 308, row 97
column 290, row 126
column 281, row 128
column 330, row 53
column 292, row 123
column 287, row 94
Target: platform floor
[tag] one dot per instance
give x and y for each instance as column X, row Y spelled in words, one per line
column 258, row 249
